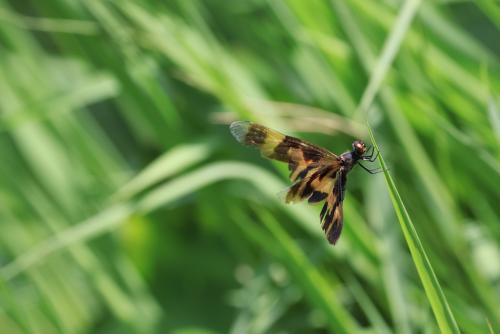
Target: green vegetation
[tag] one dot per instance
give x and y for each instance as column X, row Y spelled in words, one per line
column 127, row 207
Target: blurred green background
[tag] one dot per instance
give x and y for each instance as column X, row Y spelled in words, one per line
column 127, row 207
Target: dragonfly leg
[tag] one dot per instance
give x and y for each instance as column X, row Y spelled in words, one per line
column 369, row 153
column 371, row 171
column 370, row 157
column 375, row 158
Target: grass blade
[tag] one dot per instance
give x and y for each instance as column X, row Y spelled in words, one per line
column 435, row 295
column 389, row 51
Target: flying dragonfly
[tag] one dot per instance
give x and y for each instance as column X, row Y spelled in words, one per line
column 317, row 174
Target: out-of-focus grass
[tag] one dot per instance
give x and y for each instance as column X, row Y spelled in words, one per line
column 119, row 209
column 439, row 303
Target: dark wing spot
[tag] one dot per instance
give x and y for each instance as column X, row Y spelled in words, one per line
column 310, row 151
column 336, row 229
column 325, row 171
column 281, row 150
column 311, row 154
column 256, row 135
column 332, row 223
column 306, row 170
column 308, row 189
column 317, row 196
column 328, row 220
column 323, row 211
column 248, row 133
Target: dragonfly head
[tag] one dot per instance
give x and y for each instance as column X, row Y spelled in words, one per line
column 358, row 147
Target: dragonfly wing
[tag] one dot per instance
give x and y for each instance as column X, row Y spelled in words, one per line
column 332, row 216
column 302, row 157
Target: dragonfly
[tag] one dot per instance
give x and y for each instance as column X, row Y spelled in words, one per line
column 317, row 174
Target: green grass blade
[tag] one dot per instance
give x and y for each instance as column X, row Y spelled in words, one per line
column 389, row 52
column 435, row 295
column 111, row 218
column 168, row 164
column 104, row 221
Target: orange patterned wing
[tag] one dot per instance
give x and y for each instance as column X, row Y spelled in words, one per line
column 303, row 158
column 332, row 217
column 316, row 172
column 315, row 186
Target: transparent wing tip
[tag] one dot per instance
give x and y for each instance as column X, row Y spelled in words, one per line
column 239, row 130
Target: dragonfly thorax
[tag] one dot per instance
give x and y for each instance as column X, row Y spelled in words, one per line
column 348, row 160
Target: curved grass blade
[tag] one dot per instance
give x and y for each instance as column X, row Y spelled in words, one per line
column 444, row 316
column 437, row 299
column 116, row 215
column 167, row 165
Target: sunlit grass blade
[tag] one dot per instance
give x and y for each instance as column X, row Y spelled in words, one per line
column 494, row 116
column 111, row 218
column 170, row 163
column 392, row 253
column 388, row 53
column 48, row 24
column 442, row 311
column 105, row 220
column 435, row 295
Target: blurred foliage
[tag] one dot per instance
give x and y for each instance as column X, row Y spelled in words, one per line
column 126, row 206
